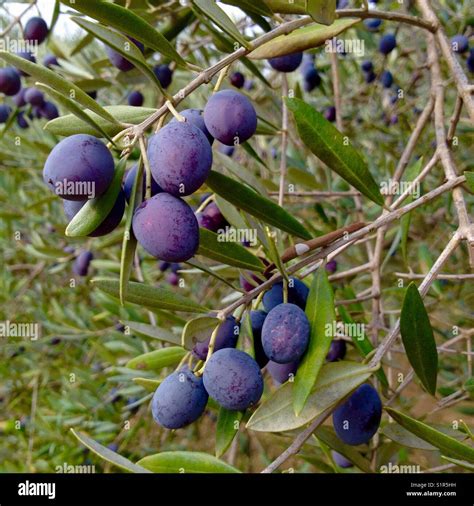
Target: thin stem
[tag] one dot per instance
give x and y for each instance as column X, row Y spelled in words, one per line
column 284, row 137
column 336, row 90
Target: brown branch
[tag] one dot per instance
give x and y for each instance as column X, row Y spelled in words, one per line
column 423, row 289
column 359, row 234
column 457, row 72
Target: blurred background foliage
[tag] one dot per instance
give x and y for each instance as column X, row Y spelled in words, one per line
column 74, row 375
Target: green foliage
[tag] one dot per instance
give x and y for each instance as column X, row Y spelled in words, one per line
column 109, row 340
column 418, row 339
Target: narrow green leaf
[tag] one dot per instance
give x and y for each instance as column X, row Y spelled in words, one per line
column 185, row 462
column 322, row 11
column 155, row 332
column 71, row 125
column 52, row 79
column 54, row 19
column 227, row 427
column 404, row 437
column 446, row 444
column 210, row 9
column 93, row 84
column 469, row 180
column 405, row 221
column 251, row 152
column 108, row 455
column 9, row 122
column 273, row 254
column 158, row 359
column 149, row 296
column 335, row 382
column 361, row 342
column 82, row 43
column 126, row 21
column 119, row 42
column 418, row 339
column 176, row 23
column 321, row 314
column 255, row 6
column 469, row 385
column 460, row 463
column 287, row 7
column 94, row 212
column 331, row 147
column 231, row 214
column 328, row 436
column 198, row 330
column 256, row 205
column 426, row 262
column 149, row 384
column 129, row 242
column 411, row 173
column 308, row 37
column 212, row 272
column 245, row 175
column 74, row 108
column 302, row 178
column 230, row 253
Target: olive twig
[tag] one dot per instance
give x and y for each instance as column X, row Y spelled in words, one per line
column 174, row 112
column 210, row 349
column 146, row 164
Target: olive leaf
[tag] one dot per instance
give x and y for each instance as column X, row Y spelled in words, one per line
column 226, row 429
column 118, row 43
column 70, row 125
column 418, row 339
column 330, row 146
column 129, row 242
column 322, row 11
column 221, row 19
column 361, row 341
column 446, row 444
column 53, row 80
column 149, row 384
column 255, row 6
column 335, row 381
column 94, row 211
column 153, row 331
column 411, row 173
column 321, row 314
column 308, row 37
column 248, row 200
column 185, row 462
column 469, row 180
column 158, row 359
column 109, row 455
column 328, row 436
column 149, row 296
column 198, row 330
column 126, row 21
column 211, row 245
